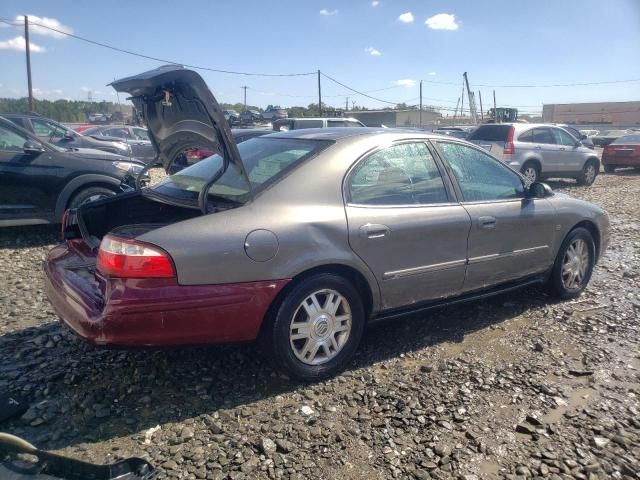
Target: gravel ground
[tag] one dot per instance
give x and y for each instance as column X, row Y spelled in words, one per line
column 512, row 387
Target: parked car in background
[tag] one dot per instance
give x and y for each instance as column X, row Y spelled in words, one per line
column 314, row 122
column 590, row 133
column 538, row 151
column 608, row 137
column 622, row 152
column 232, row 117
column 136, row 137
column 193, row 155
column 80, row 128
column 304, row 238
column 250, row 117
column 581, row 137
column 99, row 118
column 272, row 114
column 39, row 180
column 55, row 133
column 452, row 132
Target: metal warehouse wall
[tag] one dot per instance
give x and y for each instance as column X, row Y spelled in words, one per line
column 606, row 112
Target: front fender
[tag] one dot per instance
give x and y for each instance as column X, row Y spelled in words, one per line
column 79, row 182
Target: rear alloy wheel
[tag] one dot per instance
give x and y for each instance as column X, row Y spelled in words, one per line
column 588, row 174
column 530, row 172
column 90, row 194
column 317, row 327
column 609, row 168
column 574, row 264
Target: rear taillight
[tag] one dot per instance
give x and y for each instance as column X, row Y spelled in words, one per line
column 120, row 257
column 198, row 154
column 509, row 148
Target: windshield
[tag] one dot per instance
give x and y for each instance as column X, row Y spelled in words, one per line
column 265, row 160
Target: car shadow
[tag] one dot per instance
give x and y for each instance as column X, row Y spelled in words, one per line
column 29, row 236
column 89, row 394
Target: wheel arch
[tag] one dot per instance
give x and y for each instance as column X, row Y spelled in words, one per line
column 594, row 159
column 357, row 279
column 80, row 183
column 533, row 159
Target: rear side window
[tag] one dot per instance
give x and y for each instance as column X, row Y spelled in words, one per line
column 491, row 133
column 308, row 124
column 11, row 142
column 543, row 135
column 337, row 123
column 398, row 175
column 526, row 136
column 563, row 138
column 480, row 176
column 627, row 140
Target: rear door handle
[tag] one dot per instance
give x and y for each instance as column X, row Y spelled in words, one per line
column 538, row 147
column 374, row 230
column 487, row 222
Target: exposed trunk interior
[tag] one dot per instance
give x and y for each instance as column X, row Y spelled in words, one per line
column 129, row 215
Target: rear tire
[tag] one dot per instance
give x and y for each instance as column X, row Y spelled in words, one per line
column 90, row 194
column 330, row 318
column 588, row 174
column 573, row 266
column 609, row 168
column 531, row 172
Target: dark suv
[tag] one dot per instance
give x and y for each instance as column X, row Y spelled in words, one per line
column 38, row 180
column 55, row 133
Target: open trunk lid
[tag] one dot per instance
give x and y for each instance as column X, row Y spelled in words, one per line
column 181, row 113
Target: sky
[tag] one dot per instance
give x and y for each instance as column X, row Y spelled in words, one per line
column 381, row 47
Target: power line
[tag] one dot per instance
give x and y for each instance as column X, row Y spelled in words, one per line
column 357, row 91
column 540, row 86
column 148, row 57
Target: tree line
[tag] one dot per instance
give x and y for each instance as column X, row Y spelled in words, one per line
column 63, row 110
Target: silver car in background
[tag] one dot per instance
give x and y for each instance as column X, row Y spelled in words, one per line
column 301, row 239
column 538, row 151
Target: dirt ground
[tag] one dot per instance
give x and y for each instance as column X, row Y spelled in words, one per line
column 517, row 386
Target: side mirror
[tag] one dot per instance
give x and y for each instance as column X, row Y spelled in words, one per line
column 539, row 190
column 32, row 148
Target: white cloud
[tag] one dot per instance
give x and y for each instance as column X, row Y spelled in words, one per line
column 442, row 21
column 406, row 17
column 405, row 82
column 431, row 74
column 85, row 89
column 328, row 13
column 373, row 52
column 19, row 45
column 375, row 3
column 42, row 92
column 46, row 22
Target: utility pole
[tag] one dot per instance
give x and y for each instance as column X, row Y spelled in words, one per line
column 455, row 111
column 420, row 103
column 346, row 104
column 319, row 95
column 481, row 112
column 245, row 96
column 495, row 109
column 28, row 51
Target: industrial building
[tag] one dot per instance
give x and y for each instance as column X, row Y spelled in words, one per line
column 396, row 118
column 615, row 113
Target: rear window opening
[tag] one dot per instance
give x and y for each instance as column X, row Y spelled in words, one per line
column 491, row 133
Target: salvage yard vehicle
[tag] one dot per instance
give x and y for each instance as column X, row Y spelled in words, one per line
column 539, row 151
column 38, row 180
column 55, row 133
column 622, row 152
column 136, row 137
column 285, row 124
column 301, row 239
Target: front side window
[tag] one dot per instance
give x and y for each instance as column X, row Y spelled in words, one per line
column 563, row 138
column 480, row 176
column 336, row 123
column 47, row 130
column 117, row 132
column 543, row 135
column 141, row 134
column 10, row 141
column 399, row 175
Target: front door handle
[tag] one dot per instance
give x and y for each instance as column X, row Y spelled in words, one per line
column 487, row 222
column 374, row 230
column 562, row 148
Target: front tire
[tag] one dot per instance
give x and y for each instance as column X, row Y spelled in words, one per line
column 574, row 265
column 316, row 328
column 588, row 174
column 90, row 194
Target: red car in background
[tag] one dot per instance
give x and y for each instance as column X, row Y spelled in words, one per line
column 82, row 128
column 622, row 152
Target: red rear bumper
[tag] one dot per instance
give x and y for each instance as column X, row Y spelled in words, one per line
column 151, row 312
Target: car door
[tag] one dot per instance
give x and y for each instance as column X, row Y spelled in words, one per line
column 511, row 236
column 545, row 143
column 570, row 158
column 406, row 224
column 25, row 178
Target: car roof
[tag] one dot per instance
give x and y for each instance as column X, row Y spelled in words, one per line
column 339, row 133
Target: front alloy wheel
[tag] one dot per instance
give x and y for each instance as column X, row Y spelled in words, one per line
column 530, row 173
column 574, row 264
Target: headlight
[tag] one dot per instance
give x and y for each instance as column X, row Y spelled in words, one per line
column 129, row 167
